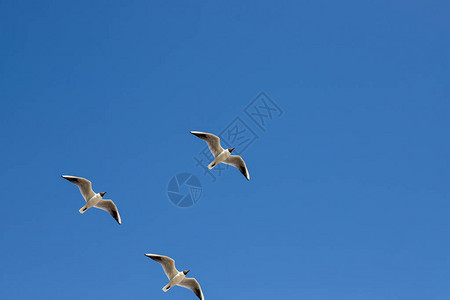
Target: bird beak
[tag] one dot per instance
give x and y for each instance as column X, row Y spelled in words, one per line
column 187, row 272
column 231, row 149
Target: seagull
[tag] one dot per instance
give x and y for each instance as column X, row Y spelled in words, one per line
column 175, row 277
column 222, row 155
column 93, row 199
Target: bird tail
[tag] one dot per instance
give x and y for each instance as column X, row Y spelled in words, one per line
column 167, row 287
column 211, row 165
column 83, row 209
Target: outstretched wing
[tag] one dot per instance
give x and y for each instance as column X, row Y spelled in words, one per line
column 83, row 184
column 109, row 206
column 193, row 285
column 167, row 263
column 238, row 162
column 212, row 141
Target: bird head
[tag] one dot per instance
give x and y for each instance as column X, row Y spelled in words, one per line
column 230, row 149
column 102, row 193
column 186, row 271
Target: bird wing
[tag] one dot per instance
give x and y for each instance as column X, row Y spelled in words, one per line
column 109, row 206
column 238, row 162
column 167, row 263
column 84, row 185
column 193, row 285
column 212, row 140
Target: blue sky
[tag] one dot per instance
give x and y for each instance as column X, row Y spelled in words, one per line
column 349, row 194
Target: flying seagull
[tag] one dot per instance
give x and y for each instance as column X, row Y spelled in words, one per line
column 93, row 199
column 222, row 155
column 175, row 277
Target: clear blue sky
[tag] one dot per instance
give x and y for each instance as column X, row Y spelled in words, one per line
column 349, row 196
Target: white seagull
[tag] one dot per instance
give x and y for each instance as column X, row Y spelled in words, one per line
column 222, row 155
column 175, row 277
column 93, row 199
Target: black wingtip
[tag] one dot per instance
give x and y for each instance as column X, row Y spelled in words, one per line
column 151, row 257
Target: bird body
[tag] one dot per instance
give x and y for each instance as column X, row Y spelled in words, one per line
column 220, row 158
column 91, row 202
column 174, row 281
